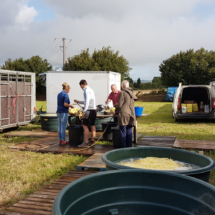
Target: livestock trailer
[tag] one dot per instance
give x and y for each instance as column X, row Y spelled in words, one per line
column 17, row 98
column 99, row 81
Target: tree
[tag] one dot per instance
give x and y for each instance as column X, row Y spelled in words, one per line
column 101, row 60
column 34, row 64
column 190, row 67
column 81, row 62
column 130, row 80
column 156, row 80
column 138, row 83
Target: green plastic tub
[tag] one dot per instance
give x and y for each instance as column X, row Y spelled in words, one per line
column 99, row 121
column 49, row 121
column 205, row 163
column 136, row 192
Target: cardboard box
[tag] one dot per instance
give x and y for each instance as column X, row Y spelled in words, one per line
column 189, row 102
column 189, row 108
column 195, row 107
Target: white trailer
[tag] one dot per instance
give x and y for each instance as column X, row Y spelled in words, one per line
column 17, row 98
column 99, row 81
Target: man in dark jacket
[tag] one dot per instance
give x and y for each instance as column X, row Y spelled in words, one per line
column 126, row 114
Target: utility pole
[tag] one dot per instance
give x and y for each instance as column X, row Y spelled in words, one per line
column 64, row 48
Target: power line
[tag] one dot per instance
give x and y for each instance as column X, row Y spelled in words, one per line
column 50, row 50
column 68, row 43
column 54, row 53
column 46, row 48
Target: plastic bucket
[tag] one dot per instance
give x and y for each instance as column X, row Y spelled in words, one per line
column 204, row 163
column 75, row 135
column 135, row 192
column 116, row 137
column 138, row 111
column 106, row 126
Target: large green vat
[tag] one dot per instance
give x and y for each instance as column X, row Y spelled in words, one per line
column 205, row 163
column 49, row 122
column 99, row 121
column 135, row 192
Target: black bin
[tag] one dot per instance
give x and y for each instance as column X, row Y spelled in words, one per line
column 75, row 135
column 107, row 136
column 116, row 137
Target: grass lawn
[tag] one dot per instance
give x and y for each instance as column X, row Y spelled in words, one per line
column 160, row 122
column 21, row 173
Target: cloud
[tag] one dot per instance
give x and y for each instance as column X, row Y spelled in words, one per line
column 117, row 10
column 25, row 16
column 145, row 32
column 8, row 10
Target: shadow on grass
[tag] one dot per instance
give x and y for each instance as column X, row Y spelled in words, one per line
column 209, row 137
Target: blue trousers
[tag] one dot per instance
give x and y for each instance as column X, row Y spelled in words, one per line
column 62, row 122
column 126, row 136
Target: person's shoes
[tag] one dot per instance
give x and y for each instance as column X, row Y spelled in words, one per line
column 60, row 142
column 92, row 142
column 84, row 145
column 63, row 143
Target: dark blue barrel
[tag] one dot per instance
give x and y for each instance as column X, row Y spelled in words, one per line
column 135, row 192
column 75, row 135
column 116, row 137
column 107, row 132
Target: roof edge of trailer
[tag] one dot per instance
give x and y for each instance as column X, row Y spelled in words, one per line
column 3, row 71
column 78, row 72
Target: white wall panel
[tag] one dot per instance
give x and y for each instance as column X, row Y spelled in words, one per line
column 100, row 82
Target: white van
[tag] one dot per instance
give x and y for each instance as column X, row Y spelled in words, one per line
column 198, row 94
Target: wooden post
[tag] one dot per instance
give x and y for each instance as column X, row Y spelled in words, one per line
column 135, row 132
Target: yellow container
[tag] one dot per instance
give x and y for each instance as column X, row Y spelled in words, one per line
column 183, row 105
column 195, row 107
column 189, row 108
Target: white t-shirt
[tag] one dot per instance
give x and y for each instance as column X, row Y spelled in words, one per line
column 89, row 99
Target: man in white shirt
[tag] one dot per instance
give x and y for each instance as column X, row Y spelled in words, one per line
column 89, row 113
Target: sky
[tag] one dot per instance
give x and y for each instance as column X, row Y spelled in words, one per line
column 145, row 32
